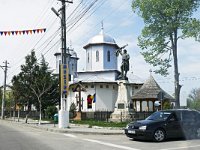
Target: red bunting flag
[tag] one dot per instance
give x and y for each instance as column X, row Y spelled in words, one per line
column 23, row 32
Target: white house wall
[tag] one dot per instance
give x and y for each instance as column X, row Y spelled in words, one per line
column 105, row 97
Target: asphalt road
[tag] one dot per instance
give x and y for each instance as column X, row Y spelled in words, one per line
column 19, row 137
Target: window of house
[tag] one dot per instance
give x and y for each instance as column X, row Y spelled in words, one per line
column 101, row 86
column 107, row 86
column 97, row 56
column 108, row 56
column 72, row 67
column 92, row 86
column 88, row 58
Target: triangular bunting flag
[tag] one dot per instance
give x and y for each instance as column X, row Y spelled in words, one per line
column 23, row 32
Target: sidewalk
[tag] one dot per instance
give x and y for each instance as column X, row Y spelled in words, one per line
column 73, row 128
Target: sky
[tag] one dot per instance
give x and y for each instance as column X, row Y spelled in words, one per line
column 119, row 22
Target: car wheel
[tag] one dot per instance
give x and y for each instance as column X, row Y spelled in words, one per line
column 159, row 135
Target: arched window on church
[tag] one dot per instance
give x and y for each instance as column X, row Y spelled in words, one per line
column 108, row 56
column 97, row 56
column 88, row 57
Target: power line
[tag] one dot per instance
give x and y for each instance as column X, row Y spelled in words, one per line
column 78, row 18
column 95, row 9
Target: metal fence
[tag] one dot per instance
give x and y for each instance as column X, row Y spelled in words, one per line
column 22, row 114
column 98, row 115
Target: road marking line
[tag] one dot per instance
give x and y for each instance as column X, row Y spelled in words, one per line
column 70, row 135
column 110, row 144
column 186, row 147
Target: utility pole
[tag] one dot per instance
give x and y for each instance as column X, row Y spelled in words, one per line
column 63, row 115
column 5, row 68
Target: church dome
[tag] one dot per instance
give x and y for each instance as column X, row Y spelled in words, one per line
column 101, row 38
column 72, row 53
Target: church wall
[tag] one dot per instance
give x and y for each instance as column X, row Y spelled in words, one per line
column 88, row 59
column 93, row 64
column 106, row 95
column 72, row 65
column 112, row 64
column 97, row 62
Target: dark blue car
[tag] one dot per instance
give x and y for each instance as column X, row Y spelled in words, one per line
column 165, row 124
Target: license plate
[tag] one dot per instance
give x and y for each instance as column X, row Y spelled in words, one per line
column 131, row 131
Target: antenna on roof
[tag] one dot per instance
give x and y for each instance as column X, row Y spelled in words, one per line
column 102, row 24
column 70, row 44
column 102, row 27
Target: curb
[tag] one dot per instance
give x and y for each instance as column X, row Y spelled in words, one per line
column 76, row 129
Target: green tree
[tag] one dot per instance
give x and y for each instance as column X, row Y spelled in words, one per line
column 193, row 100
column 42, row 83
column 166, row 21
column 24, row 80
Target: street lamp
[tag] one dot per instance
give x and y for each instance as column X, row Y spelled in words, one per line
column 63, row 115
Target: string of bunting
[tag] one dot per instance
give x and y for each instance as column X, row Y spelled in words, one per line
column 22, row 32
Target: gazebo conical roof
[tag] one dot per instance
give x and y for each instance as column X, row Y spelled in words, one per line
column 150, row 90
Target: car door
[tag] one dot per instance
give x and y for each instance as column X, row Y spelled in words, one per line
column 173, row 127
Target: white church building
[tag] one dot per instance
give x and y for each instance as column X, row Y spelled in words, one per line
column 97, row 88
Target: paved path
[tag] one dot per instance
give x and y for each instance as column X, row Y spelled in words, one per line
column 74, row 128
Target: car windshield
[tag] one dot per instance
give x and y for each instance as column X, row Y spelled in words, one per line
column 159, row 115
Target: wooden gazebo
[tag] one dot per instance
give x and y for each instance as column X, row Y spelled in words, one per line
column 144, row 100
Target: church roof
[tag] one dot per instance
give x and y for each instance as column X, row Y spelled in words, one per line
column 150, row 90
column 101, row 38
column 96, row 76
column 72, row 53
